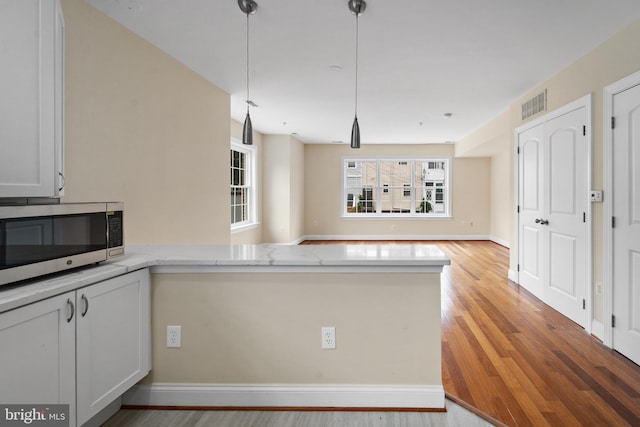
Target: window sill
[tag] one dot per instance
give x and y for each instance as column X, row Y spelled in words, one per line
column 239, row 228
column 396, row 217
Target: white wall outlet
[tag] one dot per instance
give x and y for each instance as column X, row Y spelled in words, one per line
column 174, row 338
column 328, row 338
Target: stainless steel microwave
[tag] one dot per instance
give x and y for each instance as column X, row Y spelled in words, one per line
column 41, row 239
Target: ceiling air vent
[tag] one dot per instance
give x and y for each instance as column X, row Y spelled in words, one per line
column 535, row 105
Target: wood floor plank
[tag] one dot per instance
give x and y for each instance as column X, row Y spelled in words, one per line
column 516, row 359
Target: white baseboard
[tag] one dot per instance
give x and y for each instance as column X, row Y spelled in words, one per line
column 275, row 395
column 597, row 329
column 500, row 241
column 513, row 275
column 395, row 237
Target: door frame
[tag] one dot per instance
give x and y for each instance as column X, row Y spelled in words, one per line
column 585, row 102
column 607, row 209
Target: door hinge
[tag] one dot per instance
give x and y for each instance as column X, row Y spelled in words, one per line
column 613, row 222
column 613, row 122
column 518, row 209
column 613, row 321
column 584, row 131
column 518, row 267
column 584, row 217
column 584, row 304
column 518, row 150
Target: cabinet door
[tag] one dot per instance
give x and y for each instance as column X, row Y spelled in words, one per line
column 113, row 340
column 59, row 43
column 30, row 84
column 37, row 353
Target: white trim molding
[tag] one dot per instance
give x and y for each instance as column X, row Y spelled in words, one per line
column 400, row 237
column 597, row 329
column 513, row 276
column 397, row 237
column 585, row 102
column 500, row 241
column 279, row 395
column 607, row 208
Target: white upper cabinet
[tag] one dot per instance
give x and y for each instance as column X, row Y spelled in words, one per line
column 32, row 100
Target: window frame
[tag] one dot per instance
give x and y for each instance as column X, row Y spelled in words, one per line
column 380, row 188
column 250, row 152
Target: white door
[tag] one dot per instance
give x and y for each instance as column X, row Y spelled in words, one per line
column 626, row 233
column 553, row 213
column 531, row 197
column 565, row 214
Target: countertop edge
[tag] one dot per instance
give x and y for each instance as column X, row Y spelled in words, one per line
column 173, row 261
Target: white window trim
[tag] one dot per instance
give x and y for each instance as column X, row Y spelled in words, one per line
column 395, row 216
column 252, row 172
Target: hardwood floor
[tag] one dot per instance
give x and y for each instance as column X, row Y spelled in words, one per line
column 519, row 361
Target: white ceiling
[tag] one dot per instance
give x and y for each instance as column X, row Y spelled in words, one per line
column 418, row 59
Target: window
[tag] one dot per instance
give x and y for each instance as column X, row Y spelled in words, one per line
column 242, row 186
column 407, row 187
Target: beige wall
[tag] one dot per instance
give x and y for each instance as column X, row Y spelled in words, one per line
column 143, row 129
column 614, row 59
column 297, row 190
column 471, row 191
column 254, row 234
column 283, row 187
column 502, row 208
column 228, row 319
column 493, row 140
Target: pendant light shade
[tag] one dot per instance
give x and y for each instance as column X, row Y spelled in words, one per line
column 247, row 130
column 355, row 134
column 356, row 7
column 247, row 7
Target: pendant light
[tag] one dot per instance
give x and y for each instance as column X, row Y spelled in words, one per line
column 356, row 7
column 247, row 7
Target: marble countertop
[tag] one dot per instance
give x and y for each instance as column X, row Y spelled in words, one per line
column 234, row 258
column 292, row 255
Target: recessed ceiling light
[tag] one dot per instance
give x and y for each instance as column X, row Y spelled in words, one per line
column 337, row 142
column 447, row 115
column 335, row 68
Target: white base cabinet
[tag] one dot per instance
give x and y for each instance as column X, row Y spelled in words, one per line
column 38, row 354
column 112, row 339
column 83, row 348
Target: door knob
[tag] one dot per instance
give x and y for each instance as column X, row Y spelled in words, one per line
column 542, row 221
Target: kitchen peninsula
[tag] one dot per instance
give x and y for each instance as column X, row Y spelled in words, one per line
column 251, row 318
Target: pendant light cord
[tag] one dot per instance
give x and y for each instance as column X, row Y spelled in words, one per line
column 356, row 110
column 248, row 62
